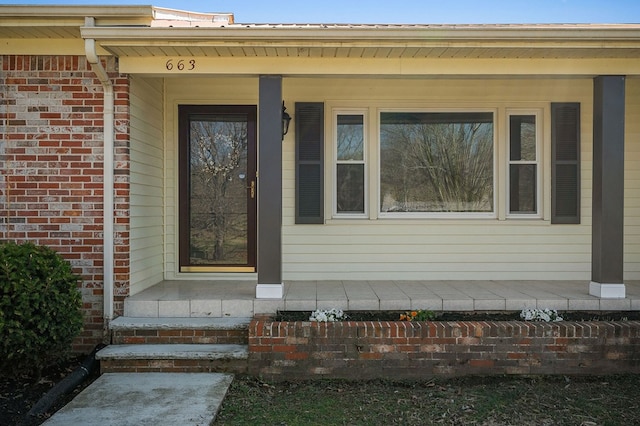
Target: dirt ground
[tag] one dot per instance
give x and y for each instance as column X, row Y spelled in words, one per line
column 18, row 395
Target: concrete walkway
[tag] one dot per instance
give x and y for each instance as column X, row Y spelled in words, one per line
column 138, row 399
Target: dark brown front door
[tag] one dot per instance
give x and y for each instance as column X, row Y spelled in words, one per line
column 217, row 161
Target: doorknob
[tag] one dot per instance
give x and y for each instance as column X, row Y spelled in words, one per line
column 252, row 188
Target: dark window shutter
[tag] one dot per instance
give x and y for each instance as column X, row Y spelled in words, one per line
column 565, row 163
column 309, row 118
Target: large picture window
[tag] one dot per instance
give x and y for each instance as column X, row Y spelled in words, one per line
column 436, row 162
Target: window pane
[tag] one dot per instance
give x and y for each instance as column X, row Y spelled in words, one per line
column 522, row 184
column 522, row 138
column 350, row 188
column 350, row 137
column 436, row 162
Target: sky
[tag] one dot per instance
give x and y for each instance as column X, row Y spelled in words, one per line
column 398, row 11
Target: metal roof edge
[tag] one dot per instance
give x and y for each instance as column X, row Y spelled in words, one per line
column 67, row 11
column 162, row 13
column 238, row 32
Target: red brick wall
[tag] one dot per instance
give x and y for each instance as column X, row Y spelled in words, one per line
column 161, row 336
column 51, row 192
column 357, row 350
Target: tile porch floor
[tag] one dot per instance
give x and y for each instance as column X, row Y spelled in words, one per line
column 237, row 298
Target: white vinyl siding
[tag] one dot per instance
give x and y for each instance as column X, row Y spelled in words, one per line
column 632, row 181
column 451, row 250
column 147, row 182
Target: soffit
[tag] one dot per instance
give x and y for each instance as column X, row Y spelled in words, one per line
column 369, row 52
column 374, row 41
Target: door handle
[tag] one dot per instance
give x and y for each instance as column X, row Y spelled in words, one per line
column 252, row 189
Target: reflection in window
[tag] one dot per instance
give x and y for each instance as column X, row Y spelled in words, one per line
column 436, row 162
column 350, row 163
column 217, row 199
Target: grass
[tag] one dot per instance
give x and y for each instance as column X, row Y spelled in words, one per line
column 548, row 400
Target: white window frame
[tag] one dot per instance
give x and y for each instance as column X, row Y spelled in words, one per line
column 442, row 215
column 365, row 161
column 538, row 113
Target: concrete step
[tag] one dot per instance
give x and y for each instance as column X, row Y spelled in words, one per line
column 187, row 358
column 128, row 330
column 139, row 306
column 146, row 399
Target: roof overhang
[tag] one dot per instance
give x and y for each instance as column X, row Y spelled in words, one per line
column 379, row 49
column 64, row 21
column 375, row 41
column 145, row 38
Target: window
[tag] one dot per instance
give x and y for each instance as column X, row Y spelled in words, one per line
column 524, row 173
column 350, row 164
column 440, row 163
column 435, row 162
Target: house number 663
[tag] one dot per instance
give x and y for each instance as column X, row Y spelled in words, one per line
column 181, row 65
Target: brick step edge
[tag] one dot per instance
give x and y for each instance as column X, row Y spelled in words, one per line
column 137, row 323
column 232, row 366
column 174, row 352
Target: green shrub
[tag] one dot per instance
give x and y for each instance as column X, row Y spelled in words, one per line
column 40, row 308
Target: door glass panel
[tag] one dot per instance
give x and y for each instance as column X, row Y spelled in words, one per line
column 218, row 190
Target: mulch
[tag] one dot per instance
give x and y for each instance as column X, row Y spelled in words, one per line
column 467, row 316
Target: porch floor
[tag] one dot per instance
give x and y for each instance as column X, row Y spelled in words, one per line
column 237, row 298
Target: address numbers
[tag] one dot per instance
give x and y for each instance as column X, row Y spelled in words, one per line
column 180, row 65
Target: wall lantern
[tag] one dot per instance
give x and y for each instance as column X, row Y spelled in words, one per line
column 286, row 119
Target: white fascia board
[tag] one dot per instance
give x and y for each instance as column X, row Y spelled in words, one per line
column 560, row 37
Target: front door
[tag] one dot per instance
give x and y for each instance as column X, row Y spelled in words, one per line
column 217, row 161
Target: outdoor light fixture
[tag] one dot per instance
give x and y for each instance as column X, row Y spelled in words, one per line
column 286, row 119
